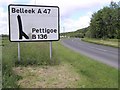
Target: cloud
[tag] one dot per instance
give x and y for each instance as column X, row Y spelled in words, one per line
column 68, row 8
column 4, row 16
column 74, row 24
column 71, row 7
column 3, row 21
column 6, row 1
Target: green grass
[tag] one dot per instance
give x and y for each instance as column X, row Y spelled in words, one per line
column 106, row 42
column 92, row 73
column 56, row 76
column 34, row 53
column 31, row 54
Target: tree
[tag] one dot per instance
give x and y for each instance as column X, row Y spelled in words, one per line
column 105, row 23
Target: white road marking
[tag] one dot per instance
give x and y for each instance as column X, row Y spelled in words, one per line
column 98, row 49
column 95, row 48
column 104, row 50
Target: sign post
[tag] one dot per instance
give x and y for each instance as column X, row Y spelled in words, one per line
column 50, row 50
column 18, row 51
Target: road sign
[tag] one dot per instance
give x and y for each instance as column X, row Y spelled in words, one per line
column 33, row 23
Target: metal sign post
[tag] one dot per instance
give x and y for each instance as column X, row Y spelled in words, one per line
column 18, row 51
column 50, row 50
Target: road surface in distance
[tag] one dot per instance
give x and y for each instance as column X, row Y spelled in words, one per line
column 104, row 54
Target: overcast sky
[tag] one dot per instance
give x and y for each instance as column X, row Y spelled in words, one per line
column 74, row 14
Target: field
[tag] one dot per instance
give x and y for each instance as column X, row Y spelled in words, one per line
column 67, row 68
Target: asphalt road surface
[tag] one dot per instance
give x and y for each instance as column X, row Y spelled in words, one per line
column 104, row 54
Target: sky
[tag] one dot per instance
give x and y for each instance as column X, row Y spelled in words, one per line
column 74, row 14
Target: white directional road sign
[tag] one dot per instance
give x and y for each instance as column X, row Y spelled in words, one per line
column 33, row 23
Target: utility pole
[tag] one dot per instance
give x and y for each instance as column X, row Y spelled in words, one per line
column 63, row 31
column 35, row 2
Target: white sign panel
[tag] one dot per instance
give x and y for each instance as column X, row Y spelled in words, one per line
column 33, row 23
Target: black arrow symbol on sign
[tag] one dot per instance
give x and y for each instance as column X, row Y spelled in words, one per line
column 21, row 33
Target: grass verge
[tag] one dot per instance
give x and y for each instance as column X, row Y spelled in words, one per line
column 93, row 73
column 33, row 54
column 58, row 76
column 107, row 42
column 90, row 73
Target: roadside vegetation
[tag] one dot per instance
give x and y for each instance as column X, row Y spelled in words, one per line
column 106, row 42
column 31, row 54
column 68, row 69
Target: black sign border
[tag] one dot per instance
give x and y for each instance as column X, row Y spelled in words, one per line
column 34, row 6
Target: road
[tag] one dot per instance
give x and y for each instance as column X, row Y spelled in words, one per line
column 104, row 54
